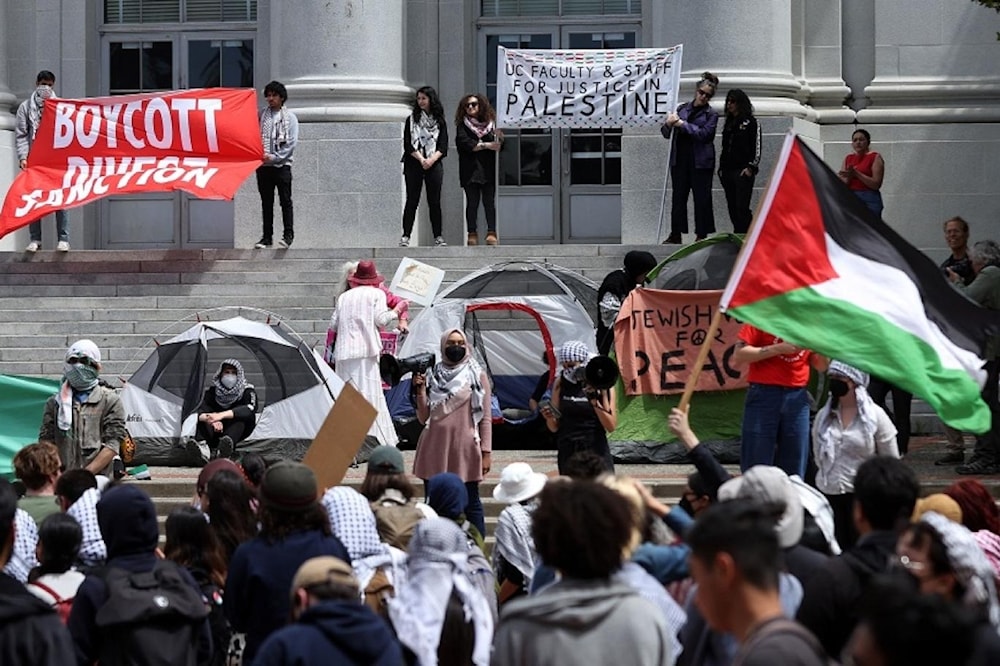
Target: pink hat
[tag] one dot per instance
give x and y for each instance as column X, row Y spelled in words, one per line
column 366, row 274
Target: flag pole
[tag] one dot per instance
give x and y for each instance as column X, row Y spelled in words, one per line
column 699, row 362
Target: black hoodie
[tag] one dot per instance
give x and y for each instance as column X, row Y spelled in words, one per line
column 333, row 632
column 830, row 597
column 30, row 630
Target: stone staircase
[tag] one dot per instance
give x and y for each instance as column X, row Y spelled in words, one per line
column 124, row 299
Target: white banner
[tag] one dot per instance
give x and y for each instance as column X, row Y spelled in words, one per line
column 587, row 88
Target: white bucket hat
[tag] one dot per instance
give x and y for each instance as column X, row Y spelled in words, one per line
column 518, row 482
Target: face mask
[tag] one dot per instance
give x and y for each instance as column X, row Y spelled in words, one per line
column 229, row 381
column 454, row 353
column 685, row 504
column 81, row 377
column 838, row 388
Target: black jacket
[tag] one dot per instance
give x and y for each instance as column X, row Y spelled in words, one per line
column 830, row 597
column 333, row 632
column 474, row 166
column 30, row 630
column 740, row 145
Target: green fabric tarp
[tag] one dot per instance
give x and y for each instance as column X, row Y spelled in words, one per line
column 22, row 400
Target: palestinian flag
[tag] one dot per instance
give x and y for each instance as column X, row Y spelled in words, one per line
column 821, row 271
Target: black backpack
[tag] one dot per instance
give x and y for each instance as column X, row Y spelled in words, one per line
column 152, row 618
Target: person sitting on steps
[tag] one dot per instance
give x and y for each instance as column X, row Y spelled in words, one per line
column 227, row 415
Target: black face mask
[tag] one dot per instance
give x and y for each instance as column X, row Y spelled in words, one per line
column 838, row 388
column 685, row 504
column 454, row 353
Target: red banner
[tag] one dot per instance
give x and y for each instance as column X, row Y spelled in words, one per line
column 657, row 336
column 205, row 142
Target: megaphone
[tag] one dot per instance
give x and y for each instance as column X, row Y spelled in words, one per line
column 392, row 369
column 600, row 373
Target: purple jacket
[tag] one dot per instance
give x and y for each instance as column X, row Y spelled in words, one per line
column 702, row 131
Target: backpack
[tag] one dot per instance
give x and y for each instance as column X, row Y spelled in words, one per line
column 150, row 618
column 395, row 519
column 377, row 593
column 62, row 605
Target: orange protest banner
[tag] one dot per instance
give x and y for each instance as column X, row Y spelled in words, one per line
column 657, row 338
column 204, row 142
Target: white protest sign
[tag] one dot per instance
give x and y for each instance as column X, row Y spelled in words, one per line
column 587, row 88
column 416, row 281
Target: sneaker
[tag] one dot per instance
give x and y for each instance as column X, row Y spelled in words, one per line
column 62, row 246
column 404, row 241
column 198, row 453
column 33, row 246
column 977, row 467
column 285, row 243
column 439, row 242
column 262, row 244
column 951, row 458
column 226, row 447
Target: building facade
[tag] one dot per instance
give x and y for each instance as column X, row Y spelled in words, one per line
column 923, row 76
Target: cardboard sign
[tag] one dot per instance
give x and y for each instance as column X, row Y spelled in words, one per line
column 416, row 281
column 204, row 142
column 657, row 336
column 340, row 437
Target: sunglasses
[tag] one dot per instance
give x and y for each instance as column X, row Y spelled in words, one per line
column 470, row 105
column 80, row 360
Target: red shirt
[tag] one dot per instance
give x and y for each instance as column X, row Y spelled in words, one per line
column 788, row 370
column 862, row 164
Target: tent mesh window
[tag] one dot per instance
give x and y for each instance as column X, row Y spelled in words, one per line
column 705, row 268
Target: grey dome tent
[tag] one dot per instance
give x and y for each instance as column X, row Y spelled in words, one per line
column 295, row 388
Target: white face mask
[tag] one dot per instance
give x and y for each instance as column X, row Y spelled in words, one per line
column 229, row 381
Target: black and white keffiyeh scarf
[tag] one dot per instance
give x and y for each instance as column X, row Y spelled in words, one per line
column 424, row 134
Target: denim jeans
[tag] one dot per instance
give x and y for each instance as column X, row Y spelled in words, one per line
column 62, row 228
column 775, row 428
column 474, row 512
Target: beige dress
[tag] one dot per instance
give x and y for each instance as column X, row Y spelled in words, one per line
column 448, row 441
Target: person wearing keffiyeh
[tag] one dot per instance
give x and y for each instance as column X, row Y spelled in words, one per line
column 849, row 429
column 29, row 116
column 454, row 403
column 228, row 412
column 425, row 144
column 478, row 141
column 85, row 419
column 580, row 417
column 279, row 133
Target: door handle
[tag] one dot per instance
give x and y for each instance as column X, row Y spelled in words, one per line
column 566, row 152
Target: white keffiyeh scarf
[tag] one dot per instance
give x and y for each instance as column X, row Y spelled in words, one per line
column 424, row 134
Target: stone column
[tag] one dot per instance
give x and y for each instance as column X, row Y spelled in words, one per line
column 342, row 62
column 8, row 103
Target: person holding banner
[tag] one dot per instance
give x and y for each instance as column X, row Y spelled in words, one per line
column 612, row 292
column 279, row 130
column 692, row 160
column 29, row 116
column 580, row 416
column 425, row 144
column 478, row 141
column 740, row 159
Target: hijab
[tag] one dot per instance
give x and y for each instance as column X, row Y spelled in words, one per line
column 438, row 564
column 450, row 383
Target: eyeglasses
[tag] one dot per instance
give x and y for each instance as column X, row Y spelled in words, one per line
column 470, row 105
column 910, row 565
